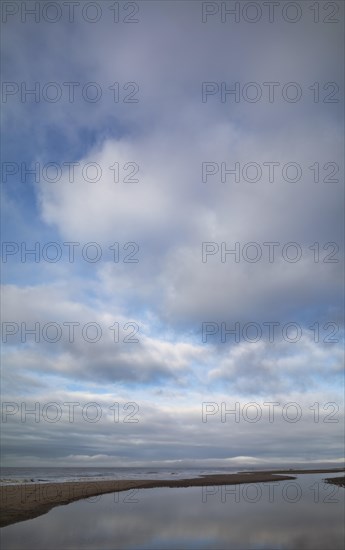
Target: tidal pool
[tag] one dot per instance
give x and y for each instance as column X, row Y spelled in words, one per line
column 304, row 513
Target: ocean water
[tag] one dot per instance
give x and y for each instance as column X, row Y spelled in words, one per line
column 301, row 514
column 59, row 475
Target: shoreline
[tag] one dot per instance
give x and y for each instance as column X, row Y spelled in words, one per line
column 26, row 501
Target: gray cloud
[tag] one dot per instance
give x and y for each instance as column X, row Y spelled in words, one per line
column 170, row 292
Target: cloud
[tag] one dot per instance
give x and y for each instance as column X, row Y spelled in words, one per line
column 163, row 140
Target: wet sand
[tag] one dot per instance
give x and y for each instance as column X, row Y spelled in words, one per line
column 339, row 481
column 27, row 501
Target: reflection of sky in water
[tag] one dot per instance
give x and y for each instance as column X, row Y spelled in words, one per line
column 299, row 514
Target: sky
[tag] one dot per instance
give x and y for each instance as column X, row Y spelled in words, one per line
column 172, row 239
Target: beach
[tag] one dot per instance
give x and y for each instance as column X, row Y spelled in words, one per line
column 20, row 502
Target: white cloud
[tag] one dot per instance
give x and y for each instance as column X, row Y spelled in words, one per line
column 169, row 133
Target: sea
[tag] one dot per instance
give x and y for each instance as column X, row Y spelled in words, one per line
column 14, row 476
column 11, row 476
